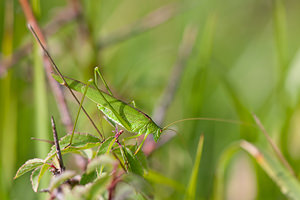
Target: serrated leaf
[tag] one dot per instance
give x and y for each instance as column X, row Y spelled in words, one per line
column 104, row 147
column 60, row 179
column 133, row 164
column 36, row 176
column 98, row 187
column 28, row 166
column 104, row 160
column 81, row 141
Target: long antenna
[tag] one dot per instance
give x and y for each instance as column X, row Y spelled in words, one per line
column 209, row 119
column 62, row 77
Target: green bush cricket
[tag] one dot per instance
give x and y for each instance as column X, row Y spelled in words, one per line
column 121, row 113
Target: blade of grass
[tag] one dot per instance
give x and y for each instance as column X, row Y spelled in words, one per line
column 274, row 146
column 224, row 160
column 191, row 189
column 288, row 184
column 157, row 178
column 9, row 108
column 40, row 99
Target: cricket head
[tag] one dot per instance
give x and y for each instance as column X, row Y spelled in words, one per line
column 157, row 133
column 155, row 130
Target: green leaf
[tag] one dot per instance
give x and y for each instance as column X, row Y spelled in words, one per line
column 191, row 190
column 288, row 184
column 28, row 166
column 104, row 160
column 98, row 187
column 139, row 184
column 81, row 141
column 88, row 177
column 104, row 147
column 133, row 164
column 60, row 179
column 141, row 157
column 36, row 176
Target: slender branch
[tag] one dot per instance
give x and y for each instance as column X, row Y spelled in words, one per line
column 58, row 152
column 60, row 99
column 273, row 145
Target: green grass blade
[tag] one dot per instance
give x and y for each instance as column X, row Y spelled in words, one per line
column 8, row 106
column 40, row 96
column 224, row 160
column 158, row 178
column 191, row 190
column 287, row 183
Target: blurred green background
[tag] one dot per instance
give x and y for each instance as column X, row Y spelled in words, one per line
column 245, row 58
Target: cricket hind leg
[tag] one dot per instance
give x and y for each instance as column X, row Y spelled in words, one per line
column 121, row 120
column 142, row 143
column 80, row 106
column 141, row 132
column 97, row 71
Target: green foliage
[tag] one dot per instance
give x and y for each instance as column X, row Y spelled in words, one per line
column 28, row 166
column 242, row 61
column 133, row 164
column 81, row 141
column 60, row 179
column 37, row 175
